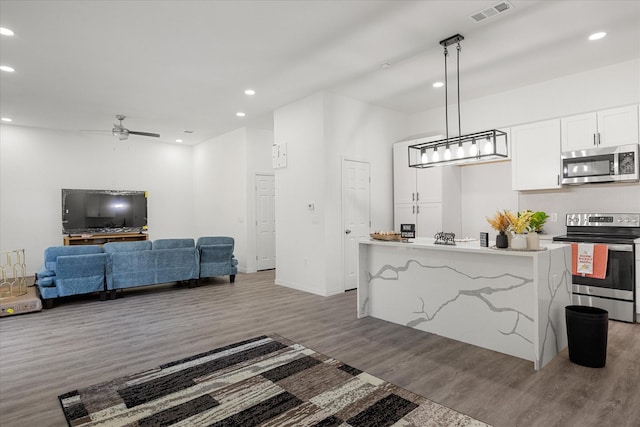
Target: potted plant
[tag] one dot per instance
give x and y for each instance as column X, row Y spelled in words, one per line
column 500, row 223
column 518, row 223
column 536, row 222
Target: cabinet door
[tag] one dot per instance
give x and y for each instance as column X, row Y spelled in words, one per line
column 536, row 163
column 403, row 213
column 429, row 185
column 579, row 132
column 618, row 126
column 429, row 217
column 404, row 177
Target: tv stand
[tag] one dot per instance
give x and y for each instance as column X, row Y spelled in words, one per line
column 101, row 239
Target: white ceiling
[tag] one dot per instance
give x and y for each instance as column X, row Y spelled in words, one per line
column 175, row 65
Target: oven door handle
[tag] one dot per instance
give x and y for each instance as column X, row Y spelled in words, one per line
column 620, row 248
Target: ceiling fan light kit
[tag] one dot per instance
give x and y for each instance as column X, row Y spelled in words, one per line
column 461, row 149
column 123, row 133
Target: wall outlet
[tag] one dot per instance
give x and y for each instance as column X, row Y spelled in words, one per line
column 553, row 217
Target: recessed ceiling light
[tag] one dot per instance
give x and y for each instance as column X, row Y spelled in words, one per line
column 6, row 119
column 6, row 31
column 240, row 114
column 597, row 36
column 438, row 84
column 178, row 140
column 7, row 68
column 385, row 65
column 249, row 92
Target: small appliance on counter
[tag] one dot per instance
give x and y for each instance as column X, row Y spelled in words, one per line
column 612, row 236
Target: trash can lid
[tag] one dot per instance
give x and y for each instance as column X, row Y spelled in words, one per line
column 585, row 309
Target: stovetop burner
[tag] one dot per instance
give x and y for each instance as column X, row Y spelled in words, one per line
column 619, row 228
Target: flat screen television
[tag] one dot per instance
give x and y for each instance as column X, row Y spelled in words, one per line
column 103, row 211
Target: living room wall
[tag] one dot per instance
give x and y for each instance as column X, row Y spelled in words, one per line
column 35, row 164
column 223, row 181
column 320, row 131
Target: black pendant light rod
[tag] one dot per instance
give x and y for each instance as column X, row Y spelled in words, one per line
column 446, row 95
column 458, row 78
column 447, row 42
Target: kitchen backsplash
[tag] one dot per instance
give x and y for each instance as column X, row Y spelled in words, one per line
column 487, row 188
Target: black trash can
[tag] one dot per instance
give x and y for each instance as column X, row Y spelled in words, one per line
column 587, row 330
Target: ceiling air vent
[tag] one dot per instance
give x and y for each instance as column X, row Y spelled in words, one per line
column 494, row 10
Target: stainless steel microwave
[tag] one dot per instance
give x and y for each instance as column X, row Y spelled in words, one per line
column 606, row 164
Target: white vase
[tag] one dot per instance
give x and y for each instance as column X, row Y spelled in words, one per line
column 533, row 241
column 519, row 242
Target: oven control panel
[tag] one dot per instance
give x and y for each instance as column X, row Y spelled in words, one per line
column 603, row 220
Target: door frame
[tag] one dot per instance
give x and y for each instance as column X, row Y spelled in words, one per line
column 344, row 159
column 255, row 215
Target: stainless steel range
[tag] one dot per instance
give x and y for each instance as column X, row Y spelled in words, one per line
column 616, row 292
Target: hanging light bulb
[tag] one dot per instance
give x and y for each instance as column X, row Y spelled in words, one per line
column 488, row 147
column 436, row 156
column 424, row 157
column 473, row 150
column 460, row 152
column 447, row 153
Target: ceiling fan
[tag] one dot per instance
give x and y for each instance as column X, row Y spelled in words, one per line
column 123, row 133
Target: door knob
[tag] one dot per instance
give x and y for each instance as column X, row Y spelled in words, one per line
column 347, row 231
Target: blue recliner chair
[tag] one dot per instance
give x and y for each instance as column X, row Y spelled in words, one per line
column 216, row 257
column 72, row 270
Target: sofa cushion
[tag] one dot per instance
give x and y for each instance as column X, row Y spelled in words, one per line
column 52, row 253
column 173, row 243
column 112, row 247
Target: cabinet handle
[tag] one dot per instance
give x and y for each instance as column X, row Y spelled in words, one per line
column 413, row 209
column 558, row 179
column 418, row 209
column 599, row 140
column 413, row 197
column 417, row 197
column 594, row 139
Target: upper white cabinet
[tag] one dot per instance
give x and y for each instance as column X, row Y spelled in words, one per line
column 535, row 161
column 616, row 126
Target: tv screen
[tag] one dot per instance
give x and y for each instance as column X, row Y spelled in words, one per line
column 103, row 211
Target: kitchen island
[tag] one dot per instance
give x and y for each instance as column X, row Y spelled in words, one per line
column 508, row 301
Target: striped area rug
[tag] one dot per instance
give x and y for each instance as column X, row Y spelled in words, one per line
column 264, row 381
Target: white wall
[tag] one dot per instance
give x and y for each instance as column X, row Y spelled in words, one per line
column 35, row 164
column 355, row 130
column 300, row 232
column 259, row 142
column 320, row 131
column 223, row 183
column 487, row 187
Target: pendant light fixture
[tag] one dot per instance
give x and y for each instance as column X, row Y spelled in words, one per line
column 471, row 148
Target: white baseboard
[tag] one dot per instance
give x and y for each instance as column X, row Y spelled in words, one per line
column 306, row 289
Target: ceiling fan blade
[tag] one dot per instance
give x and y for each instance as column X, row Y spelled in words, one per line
column 155, row 135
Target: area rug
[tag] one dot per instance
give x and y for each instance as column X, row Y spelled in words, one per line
column 263, row 381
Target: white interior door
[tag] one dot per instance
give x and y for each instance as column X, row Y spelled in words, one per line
column 265, row 222
column 355, row 216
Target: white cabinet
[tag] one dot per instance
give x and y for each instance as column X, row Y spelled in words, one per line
column 429, row 197
column 606, row 128
column 535, row 161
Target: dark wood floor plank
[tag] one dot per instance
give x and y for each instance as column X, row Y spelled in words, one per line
column 84, row 341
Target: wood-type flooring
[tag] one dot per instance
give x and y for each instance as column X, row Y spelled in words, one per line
column 84, row 341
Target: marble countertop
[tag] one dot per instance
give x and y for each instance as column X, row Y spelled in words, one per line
column 472, row 246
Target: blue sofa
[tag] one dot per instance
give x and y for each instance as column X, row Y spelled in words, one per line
column 215, row 257
column 71, row 270
column 132, row 264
